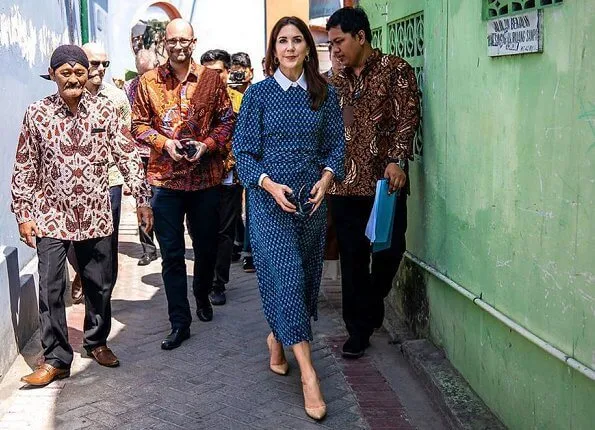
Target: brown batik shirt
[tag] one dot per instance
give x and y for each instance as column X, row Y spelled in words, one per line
column 199, row 109
column 381, row 111
column 60, row 177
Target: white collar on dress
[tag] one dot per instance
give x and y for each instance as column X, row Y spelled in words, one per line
column 285, row 82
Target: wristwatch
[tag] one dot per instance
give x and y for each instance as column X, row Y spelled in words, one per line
column 399, row 161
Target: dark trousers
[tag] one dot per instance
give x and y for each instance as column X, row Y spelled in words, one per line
column 146, row 239
column 201, row 209
column 247, row 245
column 230, row 208
column 115, row 195
column 240, row 230
column 94, row 257
column 364, row 290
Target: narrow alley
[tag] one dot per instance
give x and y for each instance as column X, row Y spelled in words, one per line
column 219, row 379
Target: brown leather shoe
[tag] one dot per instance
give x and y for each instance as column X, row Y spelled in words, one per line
column 77, row 291
column 45, row 374
column 104, row 356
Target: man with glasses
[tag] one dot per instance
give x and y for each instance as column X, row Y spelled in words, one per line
column 380, row 104
column 182, row 110
column 98, row 63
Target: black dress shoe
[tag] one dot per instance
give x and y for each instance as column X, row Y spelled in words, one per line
column 204, row 311
column 146, row 259
column 217, row 297
column 175, row 338
column 248, row 265
column 355, row 346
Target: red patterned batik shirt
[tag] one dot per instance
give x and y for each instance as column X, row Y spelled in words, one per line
column 199, row 109
column 60, row 177
column 381, row 112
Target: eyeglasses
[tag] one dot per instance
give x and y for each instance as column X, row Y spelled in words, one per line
column 303, row 205
column 97, row 63
column 184, row 43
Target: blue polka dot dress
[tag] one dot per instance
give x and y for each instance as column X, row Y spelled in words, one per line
column 277, row 133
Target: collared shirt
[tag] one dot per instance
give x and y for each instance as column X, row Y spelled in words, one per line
column 60, row 177
column 130, row 88
column 120, row 101
column 198, row 108
column 381, row 112
column 287, row 83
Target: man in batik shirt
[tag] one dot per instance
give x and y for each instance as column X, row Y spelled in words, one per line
column 183, row 112
column 60, row 196
column 380, row 101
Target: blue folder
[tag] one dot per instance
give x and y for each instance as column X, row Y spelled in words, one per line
column 380, row 224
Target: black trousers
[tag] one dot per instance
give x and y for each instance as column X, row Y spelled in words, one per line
column 364, row 290
column 115, row 195
column 247, row 249
column 230, row 209
column 239, row 236
column 94, row 257
column 201, row 209
column 146, row 239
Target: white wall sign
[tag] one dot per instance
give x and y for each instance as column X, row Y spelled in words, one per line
column 517, row 34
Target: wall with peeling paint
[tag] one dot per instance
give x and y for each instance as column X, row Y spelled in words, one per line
column 502, row 203
column 29, row 32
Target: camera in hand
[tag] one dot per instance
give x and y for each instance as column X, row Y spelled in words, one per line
column 188, row 148
column 237, row 77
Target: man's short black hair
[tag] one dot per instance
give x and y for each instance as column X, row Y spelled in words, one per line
column 216, row 55
column 241, row 59
column 351, row 20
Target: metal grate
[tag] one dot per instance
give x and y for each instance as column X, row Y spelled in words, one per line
column 377, row 38
column 498, row 8
column 406, row 40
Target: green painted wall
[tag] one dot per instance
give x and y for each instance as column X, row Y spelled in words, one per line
column 502, row 203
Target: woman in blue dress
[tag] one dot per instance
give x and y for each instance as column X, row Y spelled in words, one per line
column 289, row 146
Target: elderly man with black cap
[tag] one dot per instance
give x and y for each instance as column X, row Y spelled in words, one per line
column 60, row 196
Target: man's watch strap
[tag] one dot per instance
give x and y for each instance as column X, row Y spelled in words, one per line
column 399, row 161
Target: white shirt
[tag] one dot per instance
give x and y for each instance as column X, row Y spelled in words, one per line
column 285, row 83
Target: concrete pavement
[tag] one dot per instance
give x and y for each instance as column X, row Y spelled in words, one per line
column 219, row 378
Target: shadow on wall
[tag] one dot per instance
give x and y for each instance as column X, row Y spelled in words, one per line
column 22, row 301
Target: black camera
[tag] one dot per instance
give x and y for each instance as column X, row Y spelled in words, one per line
column 237, row 76
column 188, row 149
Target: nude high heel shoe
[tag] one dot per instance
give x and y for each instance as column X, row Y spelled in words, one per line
column 317, row 412
column 280, row 369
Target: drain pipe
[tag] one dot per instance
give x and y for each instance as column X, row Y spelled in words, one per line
column 547, row 347
column 84, row 11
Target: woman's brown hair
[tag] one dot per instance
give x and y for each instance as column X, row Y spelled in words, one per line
column 317, row 86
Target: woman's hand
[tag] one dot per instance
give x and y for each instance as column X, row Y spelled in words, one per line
column 319, row 189
column 278, row 192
